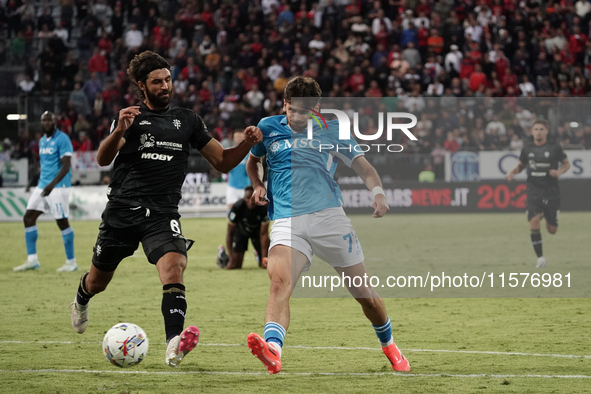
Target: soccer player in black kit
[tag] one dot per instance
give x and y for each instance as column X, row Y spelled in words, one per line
column 543, row 195
column 246, row 221
column 152, row 141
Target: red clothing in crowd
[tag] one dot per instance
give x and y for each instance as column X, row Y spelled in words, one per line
column 477, row 79
column 502, row 63
column 355, row 80
column 466, row 68
column 568, row 57
column 451, row 145
column 577, row 42
column 509, row 80
column 98, row 63
column 423, row 36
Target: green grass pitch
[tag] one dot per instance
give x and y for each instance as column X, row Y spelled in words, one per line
column 455, row 345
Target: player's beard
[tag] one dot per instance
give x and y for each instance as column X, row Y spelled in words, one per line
column 157, row 100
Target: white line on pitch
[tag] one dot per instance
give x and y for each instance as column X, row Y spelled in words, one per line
column 331, row 348
column 423, row 375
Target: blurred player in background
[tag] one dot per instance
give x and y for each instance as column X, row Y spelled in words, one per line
column 237, row 177
column 151, row 142
column 52, row 193
column 246, row 221
column 305, row 202
column 543, row 194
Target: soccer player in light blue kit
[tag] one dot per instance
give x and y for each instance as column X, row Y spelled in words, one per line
column 51, row 194
column 237, row 177
column 305, row 202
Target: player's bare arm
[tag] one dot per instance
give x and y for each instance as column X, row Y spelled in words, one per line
column 224, row 160
column 66, row 163
column 371, row 179
column 115, row 141
column 562, row 170
column 229, row 238
column 255, row 171
column 520, row 167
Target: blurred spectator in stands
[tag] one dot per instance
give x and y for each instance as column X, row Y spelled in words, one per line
column 46, row 86
column 133, row 37
column 92, row 86
column 451, row 143
column 516, row 143
column 181, row 84
column 103, row 130
column 18, row 48
column 438, row 153
column 453, row 61
column 496, row 126
column 84, row 143
column 98, row 64
column 26, row 85
column 427, row 175
column 81, row 124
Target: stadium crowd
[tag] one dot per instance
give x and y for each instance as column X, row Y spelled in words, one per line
column 232, row 59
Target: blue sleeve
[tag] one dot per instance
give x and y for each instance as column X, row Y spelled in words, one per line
column 259, row 150
column 65, row 146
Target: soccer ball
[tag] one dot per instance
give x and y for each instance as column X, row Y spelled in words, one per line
column 125, row 345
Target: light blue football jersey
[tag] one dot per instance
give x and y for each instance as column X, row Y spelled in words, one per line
column 51, row 151
column 301, row 175
column 237, row 177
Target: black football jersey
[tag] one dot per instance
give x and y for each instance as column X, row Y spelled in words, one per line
column 248, row 221
column 150, row 168
column 539, row 161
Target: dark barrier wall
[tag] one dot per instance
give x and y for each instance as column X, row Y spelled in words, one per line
column 492, row 196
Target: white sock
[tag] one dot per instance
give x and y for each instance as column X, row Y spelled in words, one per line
column 32, row 258
column 276, row 347
column 71, row 261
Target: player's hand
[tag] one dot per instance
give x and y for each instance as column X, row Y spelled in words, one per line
column 554, row 173
column 47, row 190
column 509, row 176
column 126, row 117
column 253, row 135
column 380, row 206
column 259, row 197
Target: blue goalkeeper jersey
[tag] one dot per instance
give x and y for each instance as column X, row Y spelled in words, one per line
column 301, row 171
column 237, row 177
column 51, row 151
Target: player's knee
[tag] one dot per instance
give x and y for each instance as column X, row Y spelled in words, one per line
column 552, row 229
column 28, row 219
column 280, row 286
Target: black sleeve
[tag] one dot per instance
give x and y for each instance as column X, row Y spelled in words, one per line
column 523, row 157
column 560, row 155
column 200, row 136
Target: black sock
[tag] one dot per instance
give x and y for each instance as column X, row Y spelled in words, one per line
column 536, row 241
column 83, row 295
column 174, row 307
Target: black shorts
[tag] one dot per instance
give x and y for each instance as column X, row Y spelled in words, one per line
column 547, row 206
column 240, row 242
column 124, row 227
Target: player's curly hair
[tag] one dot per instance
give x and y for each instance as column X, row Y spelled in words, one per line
column 141, row 66
column 302, row 87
